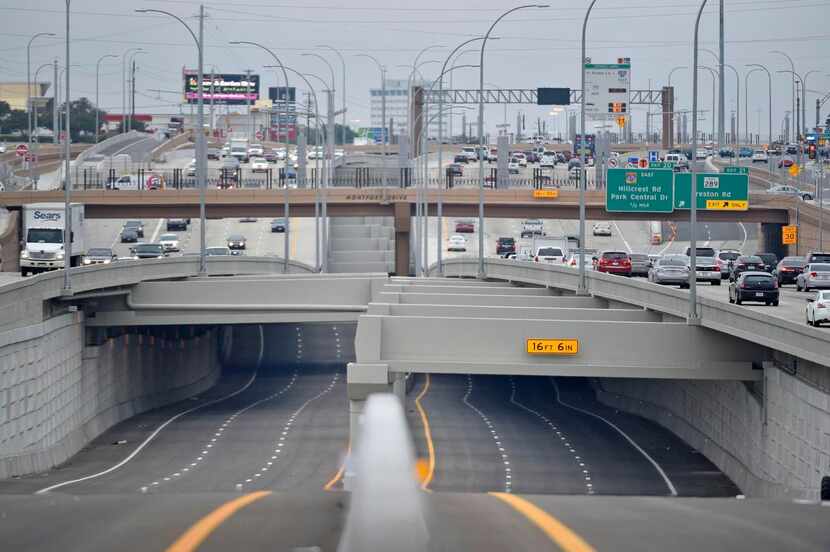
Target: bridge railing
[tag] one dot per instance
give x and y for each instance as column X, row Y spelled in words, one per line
column 803, row 342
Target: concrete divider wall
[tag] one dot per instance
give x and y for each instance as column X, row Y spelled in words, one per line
column 781, row 452
column 57, row 394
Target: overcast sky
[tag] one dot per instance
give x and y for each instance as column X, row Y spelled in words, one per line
column 538, row 47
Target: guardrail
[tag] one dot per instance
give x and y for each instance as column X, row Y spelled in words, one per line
column 803, row 342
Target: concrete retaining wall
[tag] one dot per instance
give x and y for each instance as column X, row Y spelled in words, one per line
column 780, row 451
column 57, row 394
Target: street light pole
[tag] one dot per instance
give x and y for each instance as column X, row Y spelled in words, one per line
column 29, row 95
column 201, row 149
column 792, row 68
column 759, row 67
column 385, row 135
column 714, row 97
column 804, row 100
column 124, row 86
column 67, row 186
column 131, row 97
column 481, row 272
column 343, row 91
column 693, row 317
column 97, row 92
column 746, row 104
column 582, row 286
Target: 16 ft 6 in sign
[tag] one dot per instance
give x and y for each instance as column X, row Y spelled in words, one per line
column 640, row 191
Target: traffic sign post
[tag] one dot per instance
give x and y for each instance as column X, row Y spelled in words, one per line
column 21, row 150
column 717, row 187
column 653, row 156
column 640, row 191
column 789, row 235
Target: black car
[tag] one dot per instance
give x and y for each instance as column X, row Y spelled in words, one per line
column 455, row 169
column 99, row 255
column 745, row 263
column 726, row 152
column 789, row 268
column 148, row 251
column 505, row 246
column 236, row 241
column 136, row 225
column 176, row 224
column 460, row 159
column 770, row 261
column 754, row 286
column 532, row 157
column 129, row 235
column 278, row 225
column 213, row 153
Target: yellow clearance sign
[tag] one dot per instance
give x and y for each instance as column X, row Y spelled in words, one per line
column 537, row 346
column 545, row 194
column 789, row 235
column 726, row 205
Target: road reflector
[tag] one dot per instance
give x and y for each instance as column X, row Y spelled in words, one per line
column 726, row 205
column 538, row 346
column 789, row 235
column 546, row 194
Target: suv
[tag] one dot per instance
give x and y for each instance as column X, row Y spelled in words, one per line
column 818, row 257
column 532, row 227
column 770, row 261
column 505, row 246
column 745, row 263
column 176, row 224
column 614, row 262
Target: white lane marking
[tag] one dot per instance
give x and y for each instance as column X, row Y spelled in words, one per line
column 505, row 458
column 156, row 231
column 622, row 237
column 743, row 243
column 657, row 467
column 563, row 439
column 159, row 429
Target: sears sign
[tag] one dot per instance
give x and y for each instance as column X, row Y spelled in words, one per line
column 48, row 216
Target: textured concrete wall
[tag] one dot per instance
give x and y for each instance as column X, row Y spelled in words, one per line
column 57, row 394
column 782, row 452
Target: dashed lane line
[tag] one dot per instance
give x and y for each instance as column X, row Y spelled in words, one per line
column 652, row 461
column 563, row 439
column 160, row 428
column 505, row 458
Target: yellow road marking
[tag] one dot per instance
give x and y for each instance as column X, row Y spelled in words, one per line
column 554, row 529
column 330, row 485
column 202, row 529
column 428, row 435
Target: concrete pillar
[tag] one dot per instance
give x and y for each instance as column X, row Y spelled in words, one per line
column 770, row 240
column 403, row 224
column 361, row 381
column 10, row 244
column 668, row 117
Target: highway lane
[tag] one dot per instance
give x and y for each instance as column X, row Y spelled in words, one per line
column 535, row 435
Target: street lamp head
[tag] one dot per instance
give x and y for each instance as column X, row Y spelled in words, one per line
column 542, row 5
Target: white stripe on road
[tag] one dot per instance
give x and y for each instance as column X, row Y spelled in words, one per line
column 619, row 232
column 156, row 231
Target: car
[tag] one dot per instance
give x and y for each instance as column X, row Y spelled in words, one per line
column 575, row 257
column 726, row 153
column 471, row 153
column 457, row 243
column 679, row 159
column 128, row 235
column 532, row 157
column 670, row 269
column 770, row 261
column 176, row 224
column 461, row 158
column 170, row 242
column 255, row 150
column 575, row 174
column 745, row 152
column 549, row 254
column 148, row 251
column 3, row 147
column 640, row 264
column 724, row 260
column 818, row 308
column 532, row 227
column 792, row 191
column 745, row 263
column 548, row 160
column 236, row 241
column 278, row 225
column 760, row 156
column 99, row 255
column 270, row 156
column 505, row 246
column 455, row 169
column 706, row 270
column 613, row 262
column 521, row 159
column 217, row 251
column 814, row 276
column 190, row 170
column 754, row 286
column 789, row 268
column 818, row 257
column 231, row 163
column 701, row 154
column 214, row 153
column 258, row 164
column 792, row 149
column 248, row 218
column 465, row 227
column 136, row 225
column 492, row 155
column 513, row 166
column 774, row 150
column 601, row 229
column 786, row 163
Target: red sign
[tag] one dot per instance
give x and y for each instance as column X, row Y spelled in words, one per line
column 22, row 150
column 643, row 163
column 31, row 157
column 259, row 135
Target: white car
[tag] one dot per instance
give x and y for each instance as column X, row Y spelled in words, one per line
column 602, row 229
column 170, row 242
column 760, row 156
column 191, row 168
column 457, row 243
column 818, row 308
column 255, row 150
column 701, row 154
column 573, row 259
column 3, row 147
column 549, row 254
column 258, row 164
column 548, row 160
column 513, row 166
column 521, row 158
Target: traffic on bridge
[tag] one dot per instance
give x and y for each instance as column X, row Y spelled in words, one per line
column 405, row 277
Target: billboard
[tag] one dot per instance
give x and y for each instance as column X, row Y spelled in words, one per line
column 608, row 90
column 277, row 94
column 553, row 96
column 228, row 88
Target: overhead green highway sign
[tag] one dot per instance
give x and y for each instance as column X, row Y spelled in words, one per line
column 640, row 191
column 722, row 187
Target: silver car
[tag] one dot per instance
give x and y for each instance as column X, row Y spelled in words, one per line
column 814, row 276
column 640, row 264
column 670, row 269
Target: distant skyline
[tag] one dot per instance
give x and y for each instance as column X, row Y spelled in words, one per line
column 536, row 47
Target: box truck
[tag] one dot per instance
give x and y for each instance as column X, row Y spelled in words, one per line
column 43, row 226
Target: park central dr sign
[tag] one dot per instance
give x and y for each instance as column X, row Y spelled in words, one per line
column 640, row 190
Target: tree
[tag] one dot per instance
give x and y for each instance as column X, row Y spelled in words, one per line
column 5, row 109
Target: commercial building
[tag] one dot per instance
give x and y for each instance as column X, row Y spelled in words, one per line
column 14, row 93
column 397, row 102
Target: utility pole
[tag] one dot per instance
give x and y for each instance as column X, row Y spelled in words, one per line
column 132, row 99
column 721, row 81
column 56, row 96
column 251, row 134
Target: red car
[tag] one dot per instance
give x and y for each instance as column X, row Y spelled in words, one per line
column 785, row 163
column 614, row 262
column 465, row 227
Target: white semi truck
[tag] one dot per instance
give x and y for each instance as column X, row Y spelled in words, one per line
column 43, row 226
